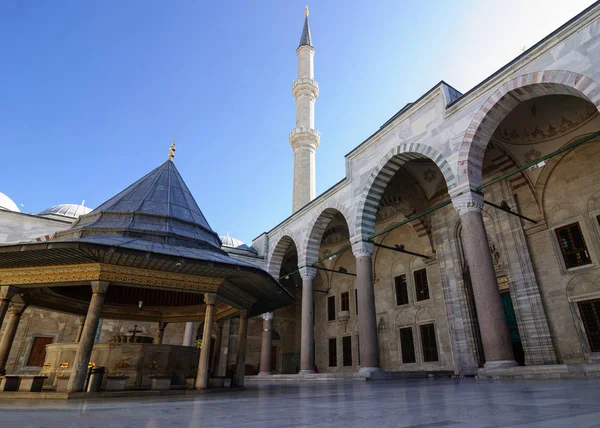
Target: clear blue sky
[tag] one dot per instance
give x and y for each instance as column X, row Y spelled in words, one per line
column 94, row 92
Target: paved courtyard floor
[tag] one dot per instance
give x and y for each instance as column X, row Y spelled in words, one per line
column 406, row 403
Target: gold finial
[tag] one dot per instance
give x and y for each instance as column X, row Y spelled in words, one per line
column 172, row 150
column 306, row 10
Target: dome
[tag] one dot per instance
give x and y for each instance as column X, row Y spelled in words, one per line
column 7, row 204
column 67, row 210
column 230, row 242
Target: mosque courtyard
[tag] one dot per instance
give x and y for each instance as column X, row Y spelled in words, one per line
column 415, row 403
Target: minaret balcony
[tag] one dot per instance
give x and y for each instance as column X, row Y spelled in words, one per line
column 307, row 84
column 305, row 136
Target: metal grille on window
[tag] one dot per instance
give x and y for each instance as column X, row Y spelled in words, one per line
column 347, row 350
column 408, row 345
column 572, row 246
column 401, row 290
column 590, row 315
column 332, row 353
column 421, row 285
column 429, row 343
column 345, row 301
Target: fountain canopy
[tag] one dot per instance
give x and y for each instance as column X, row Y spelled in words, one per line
column 154, row 247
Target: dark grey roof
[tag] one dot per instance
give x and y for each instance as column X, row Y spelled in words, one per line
column 158, row 208
column 305, row 39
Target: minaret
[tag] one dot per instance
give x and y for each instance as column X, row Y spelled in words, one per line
column 304, row 138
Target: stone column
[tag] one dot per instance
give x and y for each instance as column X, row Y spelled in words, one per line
column 203, row 363
column 367, row 316
column 160, row 333
column 307, row 336
column 6, row 293
column 490, row 313
column 189, row 335
column 214, row 367
column 266, row 343
column 86, row 343
column 80, row 329
column 15, row 312
column 241, row 349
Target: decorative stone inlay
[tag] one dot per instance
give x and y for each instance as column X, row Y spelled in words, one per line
column 109, row 273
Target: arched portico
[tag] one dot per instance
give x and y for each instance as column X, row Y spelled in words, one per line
column 319, row 225
column 383, row 173
column 506, row 98
column 284, row 243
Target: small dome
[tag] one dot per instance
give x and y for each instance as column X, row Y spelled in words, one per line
column 7, row 204
column 230, row 242
column 67, row 210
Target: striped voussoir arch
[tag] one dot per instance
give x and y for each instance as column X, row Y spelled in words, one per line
column 506, row 98
column 383, row 173
column 317, row 228
column 284, row 243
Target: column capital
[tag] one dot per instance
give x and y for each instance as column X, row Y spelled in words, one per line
column 17, row 309
column 99, row 287
column 7, row 292
column 362, row 249
column 243, row 313
column 466, row 200
column 210, row 298
column 308, row 272
column 267, row 316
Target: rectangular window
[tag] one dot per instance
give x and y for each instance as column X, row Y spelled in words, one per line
column 408, row 345
column 590, row 315
column 345, row 301
column 572, row 246
column 332, row 353
column 421, row 284
column 357, row 350
column 429, row 343
column 37, row 355
column 401, row 290
column 331, row 308
column 356, row 300
column 347, row 350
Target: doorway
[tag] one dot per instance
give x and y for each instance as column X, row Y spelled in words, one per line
column 513, row 328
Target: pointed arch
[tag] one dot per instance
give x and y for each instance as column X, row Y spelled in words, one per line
column 383, row 173
column 506, row 98
column 319, row 224
column 283, row 243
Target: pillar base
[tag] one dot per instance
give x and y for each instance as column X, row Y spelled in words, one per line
column 369, row 369
column 265, row 373
column 500, row 364
column 306, row 372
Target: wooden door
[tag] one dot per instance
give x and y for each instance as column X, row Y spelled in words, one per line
column 37, row 355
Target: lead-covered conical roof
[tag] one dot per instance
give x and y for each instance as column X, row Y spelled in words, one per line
column 305, row 39
column 158, row 208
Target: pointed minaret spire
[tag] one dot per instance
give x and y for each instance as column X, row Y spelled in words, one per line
column 305, row 39
column 304, row 138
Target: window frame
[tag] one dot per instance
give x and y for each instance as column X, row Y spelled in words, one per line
column 347, row 294
column 414, row 286
column 400, row 328
column 329, row 341
column 586, row 238
column 437, row 342
column 329, row 319
column 406, row 284
column 580, row 326
column 347, row 336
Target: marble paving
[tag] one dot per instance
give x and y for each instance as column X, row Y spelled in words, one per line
column 419, row 403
